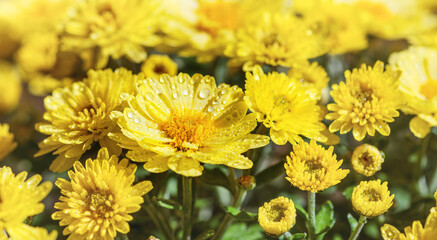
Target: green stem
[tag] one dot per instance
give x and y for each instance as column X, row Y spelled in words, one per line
column 157, row 218
column 419, row 162
column 187, row 204
column 226, row 221
column 312, row 215
column 124, row 237
column 361, row 222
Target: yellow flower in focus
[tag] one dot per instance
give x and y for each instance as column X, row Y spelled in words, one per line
column 6, row 141
column 155, row 65
column 277, row 216
column 78, row 115
column 179, row 122
column 20, row 199
column 368, row 101
column 418, row 82
column 327, row 18
column 367, row 159
column 415, row 232
column 371, row 198
column 284, row 106
column 10, row 83
column 97, row 202
column 275, row 39
column 312, row 77
column 310, row 167
column 114, row 28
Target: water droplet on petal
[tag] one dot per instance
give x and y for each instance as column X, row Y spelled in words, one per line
column 175, row 95
column 204, row 93
column 210, row 108
column 185, row 92
column 149, row 96
column 136, row 120
column 130, row 114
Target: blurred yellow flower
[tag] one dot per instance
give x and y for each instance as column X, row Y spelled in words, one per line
column 312, row 76
column 415, row 232
column 155, row 65
column 10, row 83
column 26, row 232
column 328, row 19
column 310, row 167
column 367, row 159
column 283, row 105
column 368, row 101
column 21, row 199
column 78, row 115
column 275, row 39
column 277, row 216
column 418, row 82
column 113, row 28
column 371, row 198
column 179, row 122
column 97, row 202
column 6, row 141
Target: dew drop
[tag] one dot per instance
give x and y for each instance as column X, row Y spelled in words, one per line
column 215, row 102
column 210, row 108
column 136, row 120
column 149, row 96
column 204, row 93
column 224, row 91
column 185, row 92
column 130, row 114
column 175, row 95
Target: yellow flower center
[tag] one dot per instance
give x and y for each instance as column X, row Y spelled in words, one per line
column 276, row 213
column 188, row 131
column 314, row 168
column 218, row 15
column 371, row 195
column 429, row 89
column 367, row 159
column 100, row 204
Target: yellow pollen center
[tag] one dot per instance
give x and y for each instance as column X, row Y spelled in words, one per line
column 313, row 167
column 429, row 89
column 366, row 159
column 218, row 15
column 276, row 213
column 371, row 195
column 188, row 131
column 100, row 204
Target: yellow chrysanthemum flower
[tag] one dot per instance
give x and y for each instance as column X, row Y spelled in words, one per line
column 367, row 159
column 20, row 199
column 11, row 87
column 155, row 65
column 277, row 216
column 418, row 82
column 371, row 198
column 310, row 167
column 426, row 39
column 327, row 18
column 78, row 115
column 26, row 232
column 114, row 28
column 97, row 202
column 415, row 232
column 275, row 39
column 6, row 141
column 368, row 101
column 179, row 122
column 284, row 106
column 312, row 76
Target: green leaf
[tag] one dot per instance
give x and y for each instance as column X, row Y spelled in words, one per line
column 241, row 231
column 348, row 192
column 269, row 174
column 205, row 235
column 324, row 219
column 215, row 176
column 165, row 203
column 299, row 235
column 240, row 214
column 301, row 211
column 352, row 221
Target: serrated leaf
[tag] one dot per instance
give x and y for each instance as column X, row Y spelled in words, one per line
column 348, row 192
column 240, row 215
column 205, row 235
column 165, row 203
column 301, row 211
column 324, row 219
column 241, row 231
column 352, row 221
column 215, row 177
column 269, row 174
